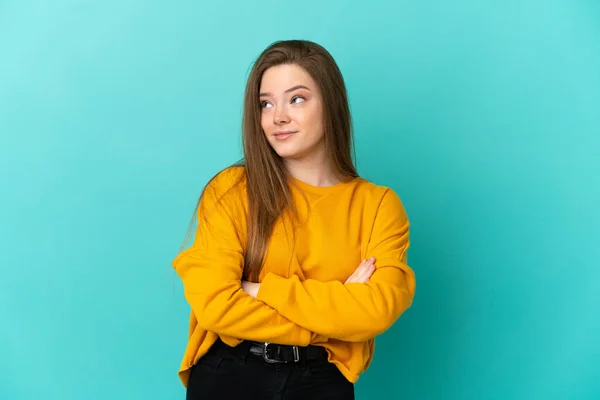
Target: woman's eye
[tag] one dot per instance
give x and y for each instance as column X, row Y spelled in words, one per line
column 297, row 98
column 264, row 104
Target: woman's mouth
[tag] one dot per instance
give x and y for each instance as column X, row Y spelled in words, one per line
column 283, row 134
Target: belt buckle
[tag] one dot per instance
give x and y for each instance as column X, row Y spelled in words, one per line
column 274, row 361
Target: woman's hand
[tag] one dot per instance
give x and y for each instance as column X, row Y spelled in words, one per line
column 363, row 272
column 251, row 288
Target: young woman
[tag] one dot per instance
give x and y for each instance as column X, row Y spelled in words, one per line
column 297, row 262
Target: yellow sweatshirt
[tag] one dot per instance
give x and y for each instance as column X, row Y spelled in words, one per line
column 302, row 298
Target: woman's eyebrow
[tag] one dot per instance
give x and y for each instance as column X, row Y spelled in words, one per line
column 287, row 91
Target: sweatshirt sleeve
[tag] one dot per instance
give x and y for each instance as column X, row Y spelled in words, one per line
column 211, row 272
column 354, row 312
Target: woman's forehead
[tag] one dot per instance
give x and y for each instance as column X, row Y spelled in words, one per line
column 281, row 78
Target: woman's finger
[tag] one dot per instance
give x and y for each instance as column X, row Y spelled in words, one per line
column 367, row 272
column 358, row 270
column 363, row 271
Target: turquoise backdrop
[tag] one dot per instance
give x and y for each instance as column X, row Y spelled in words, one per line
column 483, row 116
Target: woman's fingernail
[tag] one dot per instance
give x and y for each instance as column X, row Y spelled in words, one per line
column 372, row 259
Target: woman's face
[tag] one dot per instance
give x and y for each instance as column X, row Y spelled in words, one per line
column 291, row 112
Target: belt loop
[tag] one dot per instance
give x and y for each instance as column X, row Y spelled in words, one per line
column 306, row 369
column 245, row 350
column 303, row 358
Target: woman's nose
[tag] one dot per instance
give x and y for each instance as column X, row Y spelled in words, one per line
column 281, row 115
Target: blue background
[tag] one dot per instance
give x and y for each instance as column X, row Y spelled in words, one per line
column 483, row 116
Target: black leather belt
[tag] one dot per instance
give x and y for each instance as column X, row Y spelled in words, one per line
column 278, row 353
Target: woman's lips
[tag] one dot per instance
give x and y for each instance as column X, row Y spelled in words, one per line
column 283, row 135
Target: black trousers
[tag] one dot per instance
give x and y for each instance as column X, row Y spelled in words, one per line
column 234, row 373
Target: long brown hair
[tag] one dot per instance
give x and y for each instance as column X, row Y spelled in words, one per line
column 268, row 191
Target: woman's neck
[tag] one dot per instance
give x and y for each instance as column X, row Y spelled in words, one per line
column 315, row 174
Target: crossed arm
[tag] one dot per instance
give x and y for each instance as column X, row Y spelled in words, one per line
column 361, row 275
column 287, row 310
column 359, row 309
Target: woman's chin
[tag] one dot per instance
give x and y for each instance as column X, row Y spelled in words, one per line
column 288, row 153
